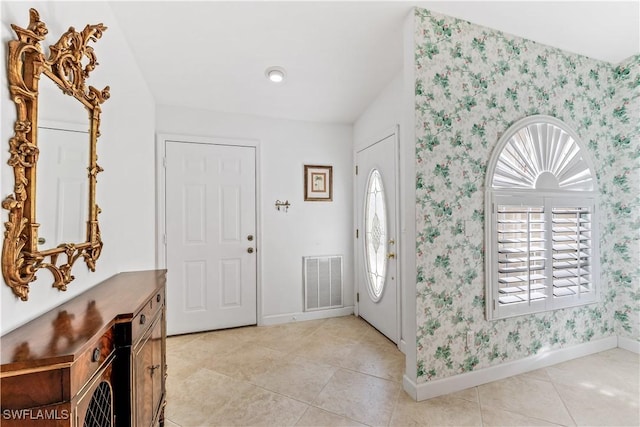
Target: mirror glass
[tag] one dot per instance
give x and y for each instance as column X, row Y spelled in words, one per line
column 62, row 189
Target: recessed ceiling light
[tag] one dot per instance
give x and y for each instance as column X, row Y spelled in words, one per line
column 275, row 74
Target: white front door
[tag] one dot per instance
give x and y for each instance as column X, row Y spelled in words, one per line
column 211, row 236
column 377, row 236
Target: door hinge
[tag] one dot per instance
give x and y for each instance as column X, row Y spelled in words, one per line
column 357, row 233
column 164, row 239
column 356, row 169
column 357, row 296
column 494, row 305
column 164, row 162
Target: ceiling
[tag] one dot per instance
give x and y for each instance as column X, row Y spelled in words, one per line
column 338, row 55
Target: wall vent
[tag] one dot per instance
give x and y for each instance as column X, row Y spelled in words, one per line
column 322, row 282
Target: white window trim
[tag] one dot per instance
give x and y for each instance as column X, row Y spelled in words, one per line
column 549, row 199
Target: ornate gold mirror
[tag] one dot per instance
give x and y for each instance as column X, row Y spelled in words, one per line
column 68, row 65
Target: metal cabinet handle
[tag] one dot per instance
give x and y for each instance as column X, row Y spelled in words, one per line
column 95, row 356
column 143, row 319
column 158, row 298
column 250, row 250
column 250, row 237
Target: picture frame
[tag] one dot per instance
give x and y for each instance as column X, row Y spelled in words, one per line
column 318, row 183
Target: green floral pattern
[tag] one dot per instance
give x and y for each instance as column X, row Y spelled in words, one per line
column 472, row 83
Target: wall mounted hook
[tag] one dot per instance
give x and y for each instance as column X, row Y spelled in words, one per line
column 284, row 205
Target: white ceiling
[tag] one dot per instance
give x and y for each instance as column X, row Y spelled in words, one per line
column 338, row 55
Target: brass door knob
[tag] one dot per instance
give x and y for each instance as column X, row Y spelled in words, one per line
column 250, row 250
column 391, row 255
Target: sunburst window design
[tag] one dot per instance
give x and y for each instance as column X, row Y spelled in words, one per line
column 542, row 156
column 542, row 240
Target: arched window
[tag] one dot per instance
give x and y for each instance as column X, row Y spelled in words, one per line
column 541, row 221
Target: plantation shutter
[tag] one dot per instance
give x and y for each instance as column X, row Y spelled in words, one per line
column 572, row 252
column 521, row 253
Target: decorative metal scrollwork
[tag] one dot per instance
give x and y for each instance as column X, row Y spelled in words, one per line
column 70, row 62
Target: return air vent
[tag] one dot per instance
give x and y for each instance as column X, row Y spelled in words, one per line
column 322, row 282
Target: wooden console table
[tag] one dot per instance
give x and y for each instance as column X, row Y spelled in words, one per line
column 96, row 360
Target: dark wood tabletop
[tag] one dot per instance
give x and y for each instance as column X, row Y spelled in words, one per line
column 61, row 334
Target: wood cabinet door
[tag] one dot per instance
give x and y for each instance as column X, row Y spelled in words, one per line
column 147, row 374
column 94, row 407
column 158, row 342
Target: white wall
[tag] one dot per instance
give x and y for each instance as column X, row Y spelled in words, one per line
column 308, row 228
column 383, row 113
column 125, row 190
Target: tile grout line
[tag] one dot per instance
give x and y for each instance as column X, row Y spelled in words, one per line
column 515, row 412
column 395, row 405
column 320, row 392
column 479, row 405
column 562, row 400
column 173, row 422
column 301, row 415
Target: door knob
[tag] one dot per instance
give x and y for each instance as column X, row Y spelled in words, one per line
column 250, row 250
column 391, row 255
column 250, row 237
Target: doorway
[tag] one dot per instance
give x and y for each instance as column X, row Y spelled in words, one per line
column 378, row 291
column 210, row 233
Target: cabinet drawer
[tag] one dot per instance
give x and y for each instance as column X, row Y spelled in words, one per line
column 142, row 321
column 91, row 360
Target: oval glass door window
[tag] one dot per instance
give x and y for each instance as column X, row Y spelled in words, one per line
column 375, row 236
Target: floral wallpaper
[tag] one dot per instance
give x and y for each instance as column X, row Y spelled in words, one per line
column 471, row 84
column 622, row 187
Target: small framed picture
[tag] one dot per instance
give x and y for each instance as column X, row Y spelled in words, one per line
column 318, row 183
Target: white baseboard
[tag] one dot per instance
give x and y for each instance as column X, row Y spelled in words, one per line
column 306, row 315
column 629, row 344
column 410, row 387
column 403, row 346
column 455, row 383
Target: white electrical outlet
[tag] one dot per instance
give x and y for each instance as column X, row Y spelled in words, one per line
column 470, row 338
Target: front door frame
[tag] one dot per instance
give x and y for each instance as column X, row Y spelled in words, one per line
column 161, row 232
column 393, row 132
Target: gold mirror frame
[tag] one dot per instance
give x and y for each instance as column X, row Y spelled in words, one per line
column 21, row 258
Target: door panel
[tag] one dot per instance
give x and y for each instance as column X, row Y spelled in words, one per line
column 210, row 212
column 63, row 186
column 377, row 237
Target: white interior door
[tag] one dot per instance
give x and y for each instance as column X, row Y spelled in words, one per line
column 210, row 229
column 377, row 236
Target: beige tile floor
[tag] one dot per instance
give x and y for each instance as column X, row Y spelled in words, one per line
column 342, row 372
